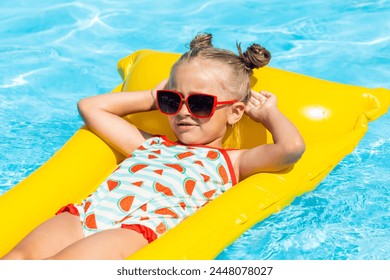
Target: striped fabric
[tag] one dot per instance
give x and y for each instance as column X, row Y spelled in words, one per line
column 157, row 186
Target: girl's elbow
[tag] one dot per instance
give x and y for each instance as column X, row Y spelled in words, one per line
column 289, row 156
column 85, row 106
column 294, row 152
column 81, row 105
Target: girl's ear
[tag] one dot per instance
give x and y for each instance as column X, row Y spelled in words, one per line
column 235, row 113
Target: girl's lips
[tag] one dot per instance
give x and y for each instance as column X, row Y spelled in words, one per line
column 185, row 125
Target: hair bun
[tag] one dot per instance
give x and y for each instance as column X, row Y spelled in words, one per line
column 202, row 40
column 255, row 56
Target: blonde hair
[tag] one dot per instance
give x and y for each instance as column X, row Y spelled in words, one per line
column 241, row 65
column 241, row 71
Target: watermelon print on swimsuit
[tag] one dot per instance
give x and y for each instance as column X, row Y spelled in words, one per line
column 157, row 186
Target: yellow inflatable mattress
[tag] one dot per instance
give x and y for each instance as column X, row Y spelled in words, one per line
column 332, row 118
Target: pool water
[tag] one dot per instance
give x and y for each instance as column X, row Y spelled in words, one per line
column 55, row 52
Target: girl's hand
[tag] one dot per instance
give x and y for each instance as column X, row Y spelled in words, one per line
column 260, row 105
column 162, row 85
column 287, row 144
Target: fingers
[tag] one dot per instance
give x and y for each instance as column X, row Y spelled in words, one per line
column 260, row 105
column 162, row 85
column 262, row 94
column 261, row 97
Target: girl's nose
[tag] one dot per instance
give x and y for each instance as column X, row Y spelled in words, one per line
column 184, row 110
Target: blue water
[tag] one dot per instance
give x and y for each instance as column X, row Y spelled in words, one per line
column 52, row 53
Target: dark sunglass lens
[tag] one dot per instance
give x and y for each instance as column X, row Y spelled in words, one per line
column 201, row 105
column 168, row 102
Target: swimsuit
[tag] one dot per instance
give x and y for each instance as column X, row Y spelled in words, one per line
column 155, row 188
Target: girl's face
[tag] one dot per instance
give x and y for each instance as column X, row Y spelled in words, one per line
column 200, row 76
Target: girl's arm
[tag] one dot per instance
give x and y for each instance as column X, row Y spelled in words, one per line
column 103, row 115
column 288, row 144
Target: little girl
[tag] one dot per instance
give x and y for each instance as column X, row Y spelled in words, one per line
column 162, row 182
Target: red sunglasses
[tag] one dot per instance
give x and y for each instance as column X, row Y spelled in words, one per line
column 200, row 105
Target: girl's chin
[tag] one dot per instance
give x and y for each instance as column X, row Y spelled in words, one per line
column 189, row 140
column 186, row 139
